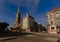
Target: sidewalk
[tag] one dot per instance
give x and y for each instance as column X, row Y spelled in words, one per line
column 46, row 34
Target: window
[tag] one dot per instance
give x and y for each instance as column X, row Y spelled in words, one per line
column 50, row 16
column 52, row 22
column 52, row 27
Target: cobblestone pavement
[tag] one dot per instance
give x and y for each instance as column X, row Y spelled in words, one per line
column 38, row 37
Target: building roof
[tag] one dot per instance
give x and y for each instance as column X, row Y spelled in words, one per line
column 55, row 9
column 28, row 16
column 31, row 17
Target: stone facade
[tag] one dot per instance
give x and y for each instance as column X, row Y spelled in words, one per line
column 17, row 22
column 53, row 21
column 27, row 23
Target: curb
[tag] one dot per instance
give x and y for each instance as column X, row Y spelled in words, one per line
column 7, row 38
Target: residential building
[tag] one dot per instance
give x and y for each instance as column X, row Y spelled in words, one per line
column 53, row 20
column 42, row 28
column 36, row 28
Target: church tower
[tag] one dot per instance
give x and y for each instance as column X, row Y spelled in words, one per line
column 18, row 16
column 18, row 19
column 27, row 14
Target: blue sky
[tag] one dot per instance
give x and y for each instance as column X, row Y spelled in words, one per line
column 36, row 8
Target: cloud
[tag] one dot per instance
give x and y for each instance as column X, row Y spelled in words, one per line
column 30, row 4
column 24, row 2
column 2, row 4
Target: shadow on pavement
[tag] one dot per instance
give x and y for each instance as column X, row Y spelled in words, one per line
column 11, row 34
column 58, row 40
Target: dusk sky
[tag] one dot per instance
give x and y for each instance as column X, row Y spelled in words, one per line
column 36, row 8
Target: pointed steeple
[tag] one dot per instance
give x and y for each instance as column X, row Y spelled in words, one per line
column 18, row 8
column 18, row 19
column 27, row 14
column 18, row 16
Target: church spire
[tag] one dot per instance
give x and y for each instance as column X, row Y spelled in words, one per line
column 18, row 16
column 27, row 14
column 18, row 19
column 18, row 8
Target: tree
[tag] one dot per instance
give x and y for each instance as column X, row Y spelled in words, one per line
column 3, row 25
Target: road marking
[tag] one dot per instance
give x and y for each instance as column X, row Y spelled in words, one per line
column 29, row 35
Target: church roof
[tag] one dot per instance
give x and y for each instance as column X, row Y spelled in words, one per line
column 31, row 17
column 27, row 14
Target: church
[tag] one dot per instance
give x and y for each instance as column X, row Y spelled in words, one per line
column 25, row 24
